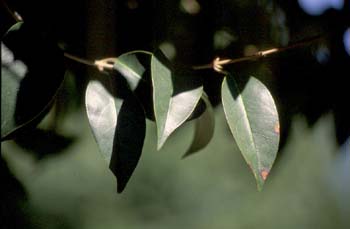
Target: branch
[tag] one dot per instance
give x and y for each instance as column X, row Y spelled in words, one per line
column 79, row 60
column 101, row 65
column 106, row 63
column 13, row 14
column 217, row 64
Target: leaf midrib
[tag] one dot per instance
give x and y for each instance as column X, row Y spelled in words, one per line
column 130, row 69
column 251, row 135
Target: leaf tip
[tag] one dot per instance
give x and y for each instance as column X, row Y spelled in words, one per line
column 264, row 173
column 161, row 142
column 185, row 155
column 120, row 186
column 189, row 152
column 159, row 145
column 262, row 176
column 260, row 186
column 119, row 190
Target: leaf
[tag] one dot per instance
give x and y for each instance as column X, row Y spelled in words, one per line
column 204, row 129
column 118, row 124
column 253, row 120
column 133, row 66
column 175, row 97
column 31, row 74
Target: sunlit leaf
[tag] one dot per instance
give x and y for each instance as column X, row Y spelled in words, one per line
column 253, row 120
column 118, row 124
column 175, row 97
column 204, row 128
column 31, row 73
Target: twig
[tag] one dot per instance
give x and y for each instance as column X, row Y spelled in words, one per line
column 79, row 60
column 217, row 64
column 106, row 63
column 13, row 14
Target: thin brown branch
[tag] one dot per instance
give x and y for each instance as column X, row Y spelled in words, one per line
column 99, row 64
column 13, row 14
column 79, row 60
column 106, row 63
column 217, row 64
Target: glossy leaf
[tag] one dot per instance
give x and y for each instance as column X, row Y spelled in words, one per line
column 118, row 124
column 253, row 120
column 31, row 74
column 175, row 97
column 204, row 128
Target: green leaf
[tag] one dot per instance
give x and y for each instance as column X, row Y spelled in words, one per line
column 31, row 74
column 253, row 120
column 175, row 96
column 118, row 123
column 204, row 128
column 133, row 67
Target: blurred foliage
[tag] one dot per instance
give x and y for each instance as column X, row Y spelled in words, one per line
column 212, row 189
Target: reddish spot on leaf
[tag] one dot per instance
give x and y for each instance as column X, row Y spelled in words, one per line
column 277, row 128
column 264, row 173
